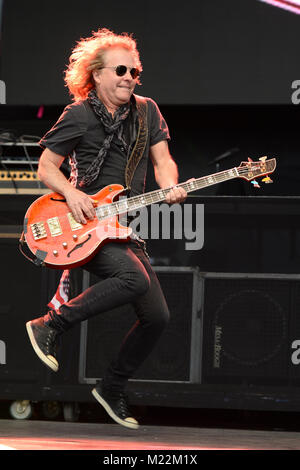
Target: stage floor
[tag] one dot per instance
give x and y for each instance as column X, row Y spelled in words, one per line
column 53, row 435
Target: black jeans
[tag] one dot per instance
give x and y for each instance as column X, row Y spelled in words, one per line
column 127, row 277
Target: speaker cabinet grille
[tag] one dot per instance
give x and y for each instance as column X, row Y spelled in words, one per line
column 172, row 358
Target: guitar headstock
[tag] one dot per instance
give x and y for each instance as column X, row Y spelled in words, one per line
column 250, row 170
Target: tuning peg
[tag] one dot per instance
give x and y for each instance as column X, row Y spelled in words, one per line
column 267, row 180
column 263, row 159
column 255, row 184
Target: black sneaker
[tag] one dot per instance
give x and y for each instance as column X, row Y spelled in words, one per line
column 117, row 408
column 43, row 341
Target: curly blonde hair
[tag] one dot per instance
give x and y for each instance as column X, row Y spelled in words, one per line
column 88, row 55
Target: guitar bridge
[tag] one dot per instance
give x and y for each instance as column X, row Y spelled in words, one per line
column 38, row 230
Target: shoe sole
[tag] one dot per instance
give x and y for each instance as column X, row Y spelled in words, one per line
column 45, row 359
column 111, row 413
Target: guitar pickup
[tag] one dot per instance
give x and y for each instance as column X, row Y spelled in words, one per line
column 73, row 224
column 38, row 230
column 54, row 226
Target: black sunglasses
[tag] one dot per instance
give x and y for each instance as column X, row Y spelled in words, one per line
column 122, row 69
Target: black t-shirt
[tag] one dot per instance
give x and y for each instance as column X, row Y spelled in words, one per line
column 79, row 135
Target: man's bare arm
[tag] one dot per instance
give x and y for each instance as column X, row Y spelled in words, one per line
column 50, row 174
column 166, row 173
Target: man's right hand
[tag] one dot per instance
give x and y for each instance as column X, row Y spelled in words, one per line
column 80, row 204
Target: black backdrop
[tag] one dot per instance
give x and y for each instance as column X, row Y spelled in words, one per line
column 222, row 73
column 195, row 52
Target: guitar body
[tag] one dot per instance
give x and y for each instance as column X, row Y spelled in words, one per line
column 58, row 241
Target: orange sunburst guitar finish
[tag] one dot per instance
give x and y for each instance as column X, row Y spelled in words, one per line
column 54, row 236
column 58, row 241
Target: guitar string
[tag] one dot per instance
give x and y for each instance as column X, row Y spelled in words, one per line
column 142, row 200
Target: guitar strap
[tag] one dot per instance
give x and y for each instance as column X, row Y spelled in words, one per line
column 140, row 143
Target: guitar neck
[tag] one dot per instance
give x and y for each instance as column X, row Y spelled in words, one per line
column 137, row 202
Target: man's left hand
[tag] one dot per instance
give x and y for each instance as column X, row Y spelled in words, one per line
column 176, row 195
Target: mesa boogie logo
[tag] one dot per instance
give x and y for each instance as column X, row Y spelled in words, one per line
column 2, row 352
column 217, row 346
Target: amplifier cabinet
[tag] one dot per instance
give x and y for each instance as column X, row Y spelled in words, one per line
column 175, row 358
column 250, row 326
column 23, row 295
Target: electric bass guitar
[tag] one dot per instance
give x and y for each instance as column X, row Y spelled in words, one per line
column 57, row 240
